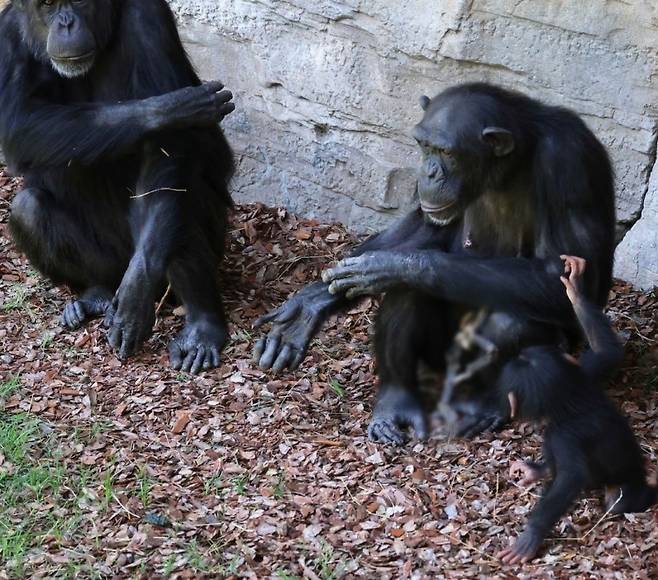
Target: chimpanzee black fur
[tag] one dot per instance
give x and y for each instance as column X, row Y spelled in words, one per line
column 126, row 170
column 506, row 186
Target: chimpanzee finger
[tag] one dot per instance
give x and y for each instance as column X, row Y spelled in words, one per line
column 214, row 357
column 344, row 284
column 188, row 361
column 283, row 359
column 259, row 348
column 199, row 358
column 223, row 97
column 226, row 109
column 271, row 351
column 175, row 356
column 339, row 271
column 299, row 357
column 213, row 86
column 129, row 342
column 281, row 314
column 419, row 424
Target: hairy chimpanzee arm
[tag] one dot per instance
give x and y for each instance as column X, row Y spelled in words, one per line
column 606, row 352
column 298, row 320
column 526, row 287
column 36, row 133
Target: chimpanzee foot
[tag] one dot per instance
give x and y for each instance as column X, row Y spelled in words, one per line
column 395, row 412
column 197, row 346
column 93, row 302
column 531, row 472
column 524, row 549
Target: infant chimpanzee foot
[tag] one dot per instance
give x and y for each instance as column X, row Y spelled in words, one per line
column 92, row 303
column 197, row 347
column 395, row 412
column 524, row 549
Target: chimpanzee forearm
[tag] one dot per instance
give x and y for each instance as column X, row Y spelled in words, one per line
column 606, row 352
column 529, row 288
column 41, row 134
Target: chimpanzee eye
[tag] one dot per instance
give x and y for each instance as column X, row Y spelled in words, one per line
column 47, row 2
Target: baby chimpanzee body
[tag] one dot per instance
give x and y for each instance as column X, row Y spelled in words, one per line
column 588, row 443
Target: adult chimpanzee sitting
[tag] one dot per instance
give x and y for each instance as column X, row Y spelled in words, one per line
column 126, row 170
column 507, row 184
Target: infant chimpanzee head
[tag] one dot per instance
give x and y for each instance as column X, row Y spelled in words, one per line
column 538, row 381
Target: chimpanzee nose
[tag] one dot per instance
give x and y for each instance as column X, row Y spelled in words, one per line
column 66, row 21
column 431, row 168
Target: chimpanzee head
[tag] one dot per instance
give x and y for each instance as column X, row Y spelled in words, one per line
column 468, row 138
column 67, row 33
column 540, row 380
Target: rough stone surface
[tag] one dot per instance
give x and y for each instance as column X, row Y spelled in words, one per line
column 327, row 92
column 637, row 254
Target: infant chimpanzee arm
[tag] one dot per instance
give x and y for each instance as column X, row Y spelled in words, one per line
column 605, row 352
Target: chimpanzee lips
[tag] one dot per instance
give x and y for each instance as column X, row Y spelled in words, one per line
column 430, row 208
column 440, row 214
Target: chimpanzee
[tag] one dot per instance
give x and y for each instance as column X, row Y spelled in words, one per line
column 587, row 443
column 126, row 170
column 507, row 185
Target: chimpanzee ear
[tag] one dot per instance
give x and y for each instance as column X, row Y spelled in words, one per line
column 501, row 140
column 424, row 102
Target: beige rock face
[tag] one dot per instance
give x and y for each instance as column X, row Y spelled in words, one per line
column 327, row 93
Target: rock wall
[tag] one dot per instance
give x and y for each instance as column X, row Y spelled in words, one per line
column 327, row 92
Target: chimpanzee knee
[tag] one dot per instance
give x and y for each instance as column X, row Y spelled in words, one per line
column 27, row 211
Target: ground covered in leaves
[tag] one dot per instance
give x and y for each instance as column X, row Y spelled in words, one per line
column 111, row 469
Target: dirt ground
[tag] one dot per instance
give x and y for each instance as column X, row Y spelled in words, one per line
column 111, row 469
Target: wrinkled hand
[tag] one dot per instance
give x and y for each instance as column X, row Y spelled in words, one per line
column 129, row 320
column 294, row 324
column 368, row 274
column 204, row 105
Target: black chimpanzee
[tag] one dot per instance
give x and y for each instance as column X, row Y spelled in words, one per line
column 126, row 170
column 506, row 186
column 587, row 443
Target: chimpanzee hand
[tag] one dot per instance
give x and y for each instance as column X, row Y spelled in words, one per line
column 197, row 346
column 129, row 319
column 574, row 267
column 204, row 105
column 524, row 549
column 396, row 410
column 294, row 324
column 370, row 273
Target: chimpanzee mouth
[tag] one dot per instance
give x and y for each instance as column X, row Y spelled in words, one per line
column 74, row 66
column 440, row 214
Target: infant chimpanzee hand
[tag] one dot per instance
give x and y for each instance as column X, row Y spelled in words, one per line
column 574, row 267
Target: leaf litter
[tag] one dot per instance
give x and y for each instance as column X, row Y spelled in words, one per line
column 111, row 469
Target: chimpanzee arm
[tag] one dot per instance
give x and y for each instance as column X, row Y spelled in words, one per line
column 606, row 352
column 37, row 130
column 36, row 133
column 526, row 287
column 298, row 320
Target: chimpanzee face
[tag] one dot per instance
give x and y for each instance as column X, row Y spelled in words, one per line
column 460, row 153
column 65, row 31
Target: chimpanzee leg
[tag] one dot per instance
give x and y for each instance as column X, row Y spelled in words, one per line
column 68, row 251
column 178, row 238
column 551, row 507
column 411, row 326
column 192, row 275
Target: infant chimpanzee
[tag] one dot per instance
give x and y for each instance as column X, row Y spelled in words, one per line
column 587, row 443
